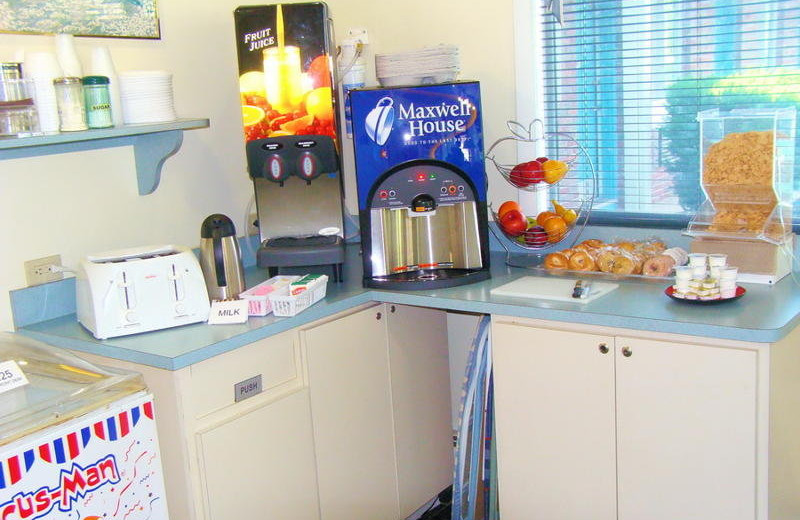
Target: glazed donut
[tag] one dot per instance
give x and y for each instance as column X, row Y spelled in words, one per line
column 582, row 261
column 556, row 261
column 593, row 243
column 568, row 252
column 626, row 246
column 658, row 265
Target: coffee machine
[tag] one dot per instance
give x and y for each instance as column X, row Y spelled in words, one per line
column 421, row 185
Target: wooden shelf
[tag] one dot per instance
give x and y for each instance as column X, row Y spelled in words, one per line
column 152, row 145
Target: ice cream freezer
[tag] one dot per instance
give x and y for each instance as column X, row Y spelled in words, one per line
column 77, row 441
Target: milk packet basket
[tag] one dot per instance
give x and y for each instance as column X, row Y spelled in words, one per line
column 258, row 296
column 302, row 294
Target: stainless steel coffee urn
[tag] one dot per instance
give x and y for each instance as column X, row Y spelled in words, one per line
column 220, row 258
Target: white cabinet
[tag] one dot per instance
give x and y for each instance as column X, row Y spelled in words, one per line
column 605, row 426
column 380, row 408
column 261, row 465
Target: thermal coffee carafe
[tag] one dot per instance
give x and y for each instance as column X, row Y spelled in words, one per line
column 220, row 258
column 421, row 185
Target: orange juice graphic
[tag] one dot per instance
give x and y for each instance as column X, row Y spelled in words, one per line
column 283, row 72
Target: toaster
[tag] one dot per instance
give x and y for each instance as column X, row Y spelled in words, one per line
column 140, row 289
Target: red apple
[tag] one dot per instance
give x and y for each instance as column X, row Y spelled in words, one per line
column 513, row 222
column 527, row 173
column 535, row 236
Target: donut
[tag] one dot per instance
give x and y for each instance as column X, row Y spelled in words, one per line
column 658, row 265
column 594, row 243
column 556, row 261
column 625, row 245
column 582, row 261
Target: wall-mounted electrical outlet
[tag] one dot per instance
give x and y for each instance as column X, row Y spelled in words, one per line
column 252, row 224
column 43, row 270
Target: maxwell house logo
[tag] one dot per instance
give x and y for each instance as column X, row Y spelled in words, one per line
column 423, row 120
column 73, row 484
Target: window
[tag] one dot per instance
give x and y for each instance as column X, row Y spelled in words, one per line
column 628, row 77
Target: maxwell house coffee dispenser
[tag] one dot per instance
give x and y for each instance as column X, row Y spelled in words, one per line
column 421, row 185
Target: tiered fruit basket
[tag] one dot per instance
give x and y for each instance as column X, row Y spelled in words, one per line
column 563, row 175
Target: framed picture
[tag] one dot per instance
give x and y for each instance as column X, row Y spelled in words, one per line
column 110, row 18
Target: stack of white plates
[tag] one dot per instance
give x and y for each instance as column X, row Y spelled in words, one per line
column 146, row 96
column 421, row 67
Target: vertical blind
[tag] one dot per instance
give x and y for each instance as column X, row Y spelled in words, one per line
column 627, row 79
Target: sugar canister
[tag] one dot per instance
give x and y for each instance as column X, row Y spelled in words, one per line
column 71, row 111
column 97, row 98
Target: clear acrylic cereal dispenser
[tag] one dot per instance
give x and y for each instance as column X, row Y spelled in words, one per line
column 747, row 169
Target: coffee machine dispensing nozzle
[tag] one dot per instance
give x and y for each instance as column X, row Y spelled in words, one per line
column 423, row 204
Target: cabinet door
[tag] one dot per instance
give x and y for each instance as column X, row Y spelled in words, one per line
column 261, row 465
column 554, row 412
column 686, row 427
column 351, row 408
column 418, row 359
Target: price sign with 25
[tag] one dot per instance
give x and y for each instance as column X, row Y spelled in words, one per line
column 11, row 376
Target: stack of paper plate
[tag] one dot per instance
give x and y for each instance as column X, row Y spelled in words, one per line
column 146, row 96
column 421, row 67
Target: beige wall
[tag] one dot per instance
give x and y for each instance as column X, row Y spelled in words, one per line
column 81, row 203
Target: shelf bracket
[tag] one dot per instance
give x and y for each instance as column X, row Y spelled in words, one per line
column 150, row 152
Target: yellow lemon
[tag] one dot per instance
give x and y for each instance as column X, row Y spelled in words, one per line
column 252, row 82
column 319, row 104
column 554, row 171
column 569, row 216
column 252, row 115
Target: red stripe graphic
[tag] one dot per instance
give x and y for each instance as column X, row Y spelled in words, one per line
column 14, row 470
column 72, row 445
column 99, row 430
column 44, row 453
column 148, row 409
column 124, row 426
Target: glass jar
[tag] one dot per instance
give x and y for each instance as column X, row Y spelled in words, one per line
column 97, row 99
column 71, row 110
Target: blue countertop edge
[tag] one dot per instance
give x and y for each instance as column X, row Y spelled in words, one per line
column 764, row 315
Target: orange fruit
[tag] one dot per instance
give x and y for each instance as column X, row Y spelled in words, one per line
column 297, row 125
column 556, row 228
column 544, row 216
column 506, row 207
column 252, row 115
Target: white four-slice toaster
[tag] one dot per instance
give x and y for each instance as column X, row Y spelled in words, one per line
column 140, row 289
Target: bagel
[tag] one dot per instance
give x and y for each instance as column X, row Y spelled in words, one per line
column 556, row 261
column 594, row 243
column 582, row 261
column 605, row 259
column 658, row 265
column 623, row 264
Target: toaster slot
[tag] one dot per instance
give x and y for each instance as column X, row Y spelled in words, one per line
column 127, row 294
column 178, row 286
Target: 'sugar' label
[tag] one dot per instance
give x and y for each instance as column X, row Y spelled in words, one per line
column 11, row 376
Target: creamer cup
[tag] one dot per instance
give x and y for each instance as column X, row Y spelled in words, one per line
column 683, row 272
column 717, row 260
column 698, row 259
column 729, row 273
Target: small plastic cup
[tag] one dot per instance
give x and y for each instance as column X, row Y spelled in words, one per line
column 683, row 273
column 698, row 272
column 728, row 274
column 717, row 260
column 698, row 259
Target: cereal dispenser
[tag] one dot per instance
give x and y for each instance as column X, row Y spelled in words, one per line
column 747, row 165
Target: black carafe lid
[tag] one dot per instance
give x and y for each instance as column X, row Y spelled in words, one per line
column 217, row 226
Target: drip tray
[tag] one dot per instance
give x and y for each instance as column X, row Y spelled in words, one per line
column 427, row 279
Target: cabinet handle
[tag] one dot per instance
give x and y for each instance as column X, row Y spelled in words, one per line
column 627, row 352
column 378, row 316
column 603, row 348
column 392, row 309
